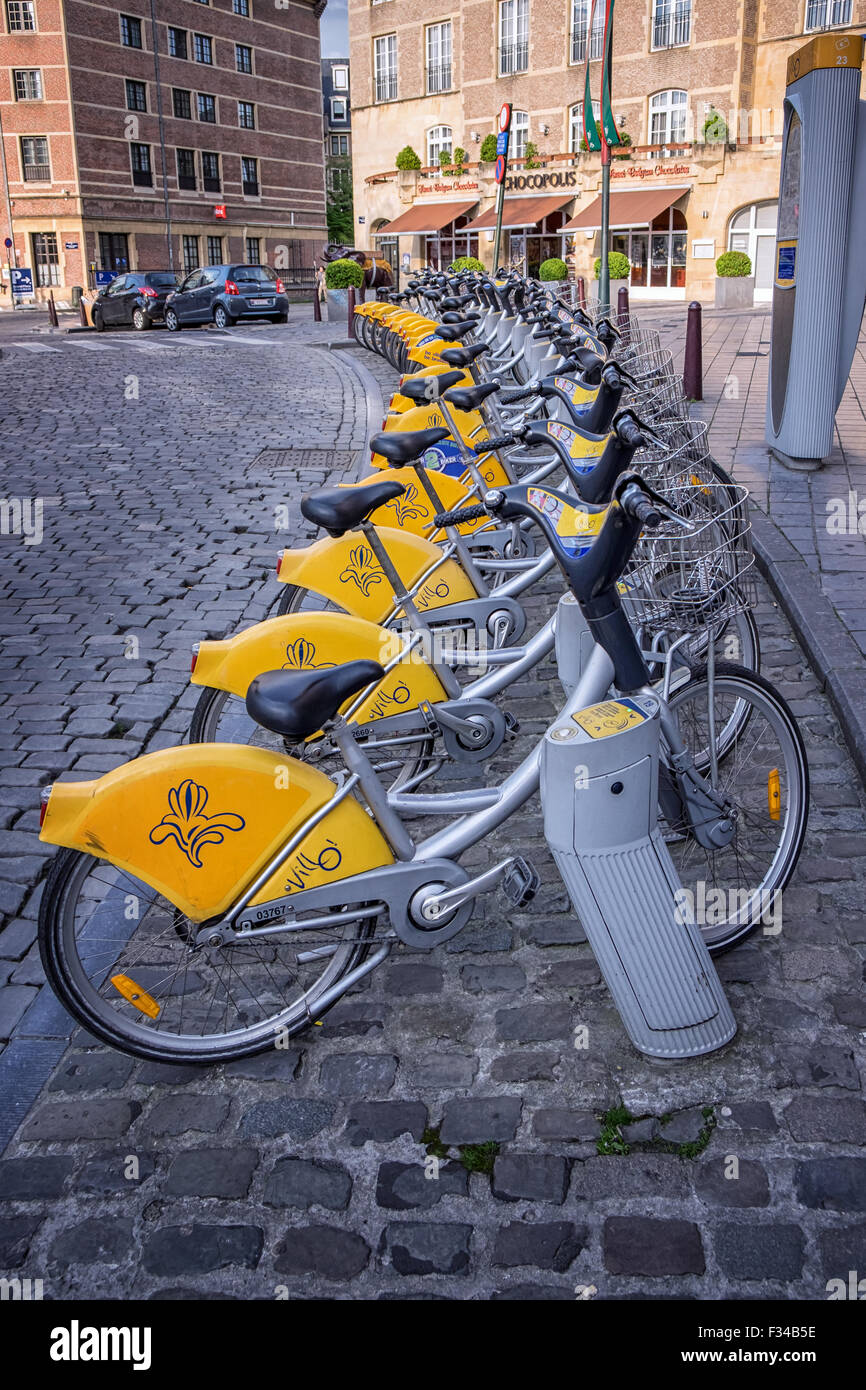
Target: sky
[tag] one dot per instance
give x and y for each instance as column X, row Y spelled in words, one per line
column 334, row 26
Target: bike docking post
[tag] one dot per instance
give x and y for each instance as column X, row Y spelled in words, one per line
column 599, row 791
column 693, row 369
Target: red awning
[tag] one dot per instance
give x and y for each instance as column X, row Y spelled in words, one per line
column 425, row 217
column 521, row 212
column 633, row 209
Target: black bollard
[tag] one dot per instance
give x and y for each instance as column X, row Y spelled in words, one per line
column 693, row 371
column 351, row 324
column 317, row 304
column 581, row 293
column 52, row 312
column 622, row 314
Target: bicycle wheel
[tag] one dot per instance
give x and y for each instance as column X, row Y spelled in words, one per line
column 209, row 1004
column 220, row 717
column 762, row 771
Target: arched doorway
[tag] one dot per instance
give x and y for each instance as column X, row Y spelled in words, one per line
column 753, row 230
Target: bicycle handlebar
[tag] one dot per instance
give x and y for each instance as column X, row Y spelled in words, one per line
column 460, row 514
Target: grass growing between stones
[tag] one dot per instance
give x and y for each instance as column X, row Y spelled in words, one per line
column 695, row 1146
column 476, row 1158
column 611, row 1141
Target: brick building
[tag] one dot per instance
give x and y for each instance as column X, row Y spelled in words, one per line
column 134, row 145
column 435, row 77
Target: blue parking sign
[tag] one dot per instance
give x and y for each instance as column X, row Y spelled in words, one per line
column 502, row 142
column 22, row 279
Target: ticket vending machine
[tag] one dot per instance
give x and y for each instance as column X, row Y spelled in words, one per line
column 819, row 288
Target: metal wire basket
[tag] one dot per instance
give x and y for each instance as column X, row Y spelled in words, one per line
column 693, row 581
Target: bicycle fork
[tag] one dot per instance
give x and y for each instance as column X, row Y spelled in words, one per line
column 599, row 792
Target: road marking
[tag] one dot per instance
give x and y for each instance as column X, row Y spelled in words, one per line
column 36, row 347
column 92, row 347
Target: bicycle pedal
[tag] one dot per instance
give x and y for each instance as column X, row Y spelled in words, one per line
column 520, row 882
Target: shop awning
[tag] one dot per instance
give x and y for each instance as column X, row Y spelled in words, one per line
column 425, row 217
column 633, row 209
column 521, row 212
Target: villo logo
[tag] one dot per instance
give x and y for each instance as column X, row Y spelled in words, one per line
column 77, row 1343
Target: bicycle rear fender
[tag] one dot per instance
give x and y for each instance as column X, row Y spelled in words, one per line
column 199, row 823
column 414, row 511
column 311, row 642
column 345, row 570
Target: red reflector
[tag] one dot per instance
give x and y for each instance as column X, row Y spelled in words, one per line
column 279, row 561
column 44, row 796
column 231, row 287
column 280, row 287
column 194, row 657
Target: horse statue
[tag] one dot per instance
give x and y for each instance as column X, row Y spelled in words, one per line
column 377, row 271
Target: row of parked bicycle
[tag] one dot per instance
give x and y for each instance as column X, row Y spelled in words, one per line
column 219, row 895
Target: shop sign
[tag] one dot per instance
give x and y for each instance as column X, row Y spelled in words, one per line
column 563, row 178
column 450, row 187
column 652, row 171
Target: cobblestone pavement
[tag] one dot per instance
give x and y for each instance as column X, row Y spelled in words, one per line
column 305, row 1172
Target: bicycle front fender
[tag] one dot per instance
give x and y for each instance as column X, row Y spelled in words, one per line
column 344, row 570
column 199, row 823
column 313, row 642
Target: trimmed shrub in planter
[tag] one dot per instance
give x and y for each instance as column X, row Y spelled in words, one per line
column 735, row 284
column 554, row 269
column 407, row 159
column 488, row 149
column 465, row 263
column 339, row 277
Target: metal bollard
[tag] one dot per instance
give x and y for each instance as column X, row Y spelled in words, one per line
column 362, row 293
column 581, row 293
column 693, row 370
column 622, row 314
column 317, row 305
column 351, row 324
column 82, row 312
column 52, row 312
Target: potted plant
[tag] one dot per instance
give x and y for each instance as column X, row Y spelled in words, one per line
column 622, row 151
column 465, row 263
column 618, row 269
column 553, row 269
column 340, row 276
column 407, row 159
column 735, row 284
column 487, row 153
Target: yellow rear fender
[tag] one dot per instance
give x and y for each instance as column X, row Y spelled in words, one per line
column 197, row 824
column 344, row 570
column 314, row 642
column 345, row 843
column 413, row 511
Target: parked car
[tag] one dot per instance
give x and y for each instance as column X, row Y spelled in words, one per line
column 137, row 298
column 223, row 294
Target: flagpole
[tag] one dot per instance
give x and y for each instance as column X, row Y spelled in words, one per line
column 604, row 268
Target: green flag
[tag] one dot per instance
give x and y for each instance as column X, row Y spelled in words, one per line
column 590, row 129
column 611, row 134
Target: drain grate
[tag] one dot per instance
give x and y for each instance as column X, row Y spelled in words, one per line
column 327, row 459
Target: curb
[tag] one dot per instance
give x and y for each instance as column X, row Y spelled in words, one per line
column 830, row 650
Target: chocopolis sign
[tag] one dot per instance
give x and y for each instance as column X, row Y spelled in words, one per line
column 565, row 178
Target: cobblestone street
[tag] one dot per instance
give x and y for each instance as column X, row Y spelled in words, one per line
column 307, row 1172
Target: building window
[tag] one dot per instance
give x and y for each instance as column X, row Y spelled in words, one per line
column 339, row 145
column 130, row 31
column 753, row 230
column 21, row 16
column 438, row 139
column 580, row 28
column 250, row 177
column 241, row 7
column 513, row 36
column 114, row 251
column 28, row 84
column 824, row 14
column 658, row 254
column 519, row 133
column 181, row 104
column 214, row 250
column 141, row 170
column 246, row 115
column 338, row 108
column 136, row 95
column 339, row 180
column 202, row 48
column 186, row 169
column 210, row 172
column 668, row 112
column 206, row 106
column 385, row 67
column 177, row 43
column 576, row 129
column 34, row 159
column 190, row 253
column 252, row 253
column 438, row 44
column 46, row 258
column 672, row 23
column 243, row 57
column 340, row 79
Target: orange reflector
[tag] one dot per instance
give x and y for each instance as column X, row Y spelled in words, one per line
column 774, row 794
column 138, row 997
column 696, row 482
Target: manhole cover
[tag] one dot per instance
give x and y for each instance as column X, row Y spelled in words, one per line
column 327, row 459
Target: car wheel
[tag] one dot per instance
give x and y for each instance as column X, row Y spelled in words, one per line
column 96, row 320
column 140, row 320
column 220, row 317
column 172, row 322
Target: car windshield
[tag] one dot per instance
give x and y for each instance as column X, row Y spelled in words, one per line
column 253, row 274
column 161, row 280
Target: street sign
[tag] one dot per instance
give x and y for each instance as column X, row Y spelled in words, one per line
column 220, row 211
column 502, row 142
column 499, row 169
column 8, row 242
column 103, row 278
column 505, row 116
column 22, row 280
column 70, row 245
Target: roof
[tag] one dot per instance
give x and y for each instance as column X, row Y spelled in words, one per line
column 633, row 209
column 426, row 217
column 521, row 212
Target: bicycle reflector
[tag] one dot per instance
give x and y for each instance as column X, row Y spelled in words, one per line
column 137, row 997
column 196, row 647
column 280, row 562
column 44, row 798
column 774, row 794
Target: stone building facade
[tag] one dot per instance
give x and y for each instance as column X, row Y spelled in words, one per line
column 132, row 146
column 697, row 88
